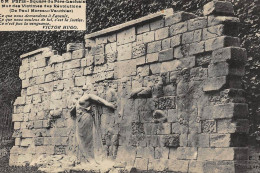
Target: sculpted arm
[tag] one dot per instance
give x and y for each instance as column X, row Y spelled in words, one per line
column 95, row 98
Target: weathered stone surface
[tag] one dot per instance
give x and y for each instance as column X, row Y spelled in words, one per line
column 215, row 83
column 237, row 110
column 224, row 69
column 153, row 57
column 235, row 54
column 178, row 28
column 98, row 49
column 126, row 36
column 110, row 48
column 197, row 23
column 125, row 68
column 187, row 153
column 171, row 140
column 220, row 140
column 215, row 20
column 143, row 28
column 139, row 50
column 165, row 103
column 232, row 126
column 176, row 40
column 220, row 42
column 161, row 33
column 124, row 52
column 166, row 55
column 148, row 37
column 178, row 17
column 154, row 47
column 218, row 7
column 157, row 24
column 190, row 37
column 179, row 165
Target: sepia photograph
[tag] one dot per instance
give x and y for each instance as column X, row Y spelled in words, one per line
column 129, row 86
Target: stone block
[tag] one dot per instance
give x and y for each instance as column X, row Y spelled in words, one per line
column 143, row 28
column 213, row 31
column 208, row 126
column 178, row 165
column 196, row 48
column 181, row 51
column 153, row 57
column 155, row 68
column 140, row 60
column 220, row 140
column 192, row 36
column 215, row 83
column 97, row 49
column 232, row 126
column 161, row 33
column 143, row 70
column 157, row 24
column 161, row 153
column 110, row 48
column 220, row 42
column 17, row 117
column 38, row 124
column 230, row 110
column 80, row 53
column 177, row 64
column 20, row 101
column 166, row 55
column 175, row 40
column 178, row 28
column 111, row 57
column 125, row 68
column 139, row 50
column 111, row 38
column 172, row 115
column 33, row 90
column 215, row 20
column 26, row 142
column 218, row 8
column 178, row 128
column 148, row 37
column 154, row 47
column 124, row 52
column 17, row 125
column 166, row 43
column 162, row 128
column 230, row 54
column 171, row 140
column 88, row 70
column 126, row 36
column 89, row 43
column 187, row 153
column 224, row 69
column 71, row 64
column 163, row 103
column 178, row 17
column 38, row 141
column 141, row 164
column 101, row 40
column 198, row 140
column 197, row 23
column 99, row 59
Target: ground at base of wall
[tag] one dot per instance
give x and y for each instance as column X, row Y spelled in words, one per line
column 5, row 168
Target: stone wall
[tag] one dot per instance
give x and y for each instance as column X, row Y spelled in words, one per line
column 175, row 81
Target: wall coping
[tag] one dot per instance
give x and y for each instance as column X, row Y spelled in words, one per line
column 38, row 51
column 166, row 12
